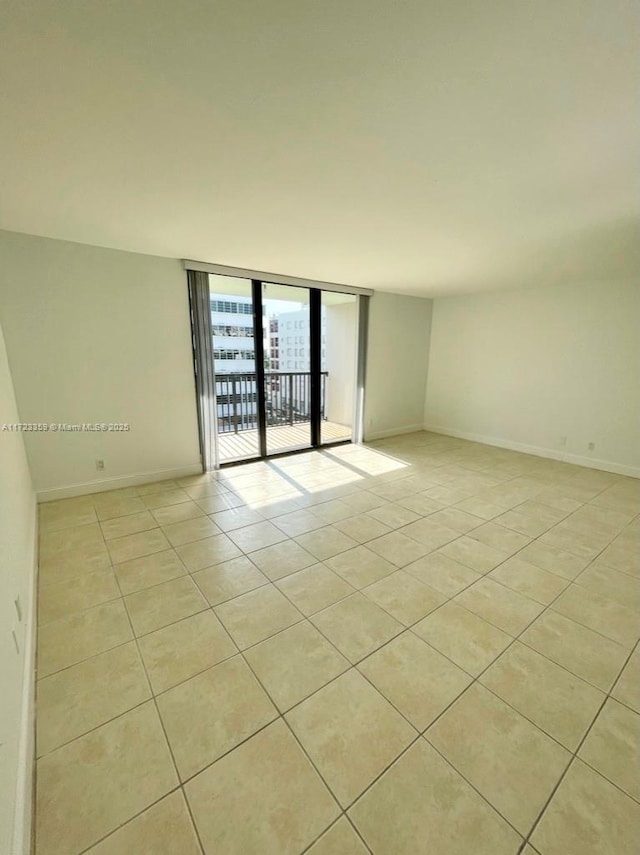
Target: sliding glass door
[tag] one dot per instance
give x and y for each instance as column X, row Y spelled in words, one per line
column 234, row 368
column 275, row 366
column 287, row 374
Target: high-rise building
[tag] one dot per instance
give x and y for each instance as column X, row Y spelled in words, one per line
column 234, row 357
column 232, row 327
column 289, row 340
column 287, row 351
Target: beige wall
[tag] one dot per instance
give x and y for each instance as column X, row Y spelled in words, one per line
column 17, row 582
column 526, row 368
column 397, row 363
column 97, row 335
column 100, row 335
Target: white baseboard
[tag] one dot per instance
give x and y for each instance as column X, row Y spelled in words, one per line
column 383, row 434
column 23, row 813
column 549, row 453
column 104, row 484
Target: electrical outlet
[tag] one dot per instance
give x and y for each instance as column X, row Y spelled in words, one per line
column 591, row 446
column 563, row 440
column 99, row 465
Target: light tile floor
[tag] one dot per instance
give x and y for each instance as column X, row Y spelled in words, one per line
column 422, row 645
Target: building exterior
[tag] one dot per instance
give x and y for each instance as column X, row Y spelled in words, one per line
column 289, row 341
column 232, row 327
column 273, row 349
column 287, row 363
column 234, row 358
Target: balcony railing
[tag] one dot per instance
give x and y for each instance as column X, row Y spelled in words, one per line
column 287, row 399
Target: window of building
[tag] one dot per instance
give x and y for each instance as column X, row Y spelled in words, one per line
column 233, row 331
column 223, row 353
column 231, row 307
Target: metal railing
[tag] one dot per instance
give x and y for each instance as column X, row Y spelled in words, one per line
column 287, row 399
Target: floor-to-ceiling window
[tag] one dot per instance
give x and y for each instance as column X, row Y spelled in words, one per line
column 234, row 366
column 275, row 365
column 287, row 376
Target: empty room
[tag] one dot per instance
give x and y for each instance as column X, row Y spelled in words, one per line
column 320, row 428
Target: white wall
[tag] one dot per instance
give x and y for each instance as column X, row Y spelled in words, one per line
column 525, row 368
column 341, row 347
column 397, row 363
column 17, row 582
column 98, row 335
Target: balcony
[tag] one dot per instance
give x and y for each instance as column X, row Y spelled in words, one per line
column 288, row 407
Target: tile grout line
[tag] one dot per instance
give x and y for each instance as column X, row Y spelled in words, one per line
column 279, row 716
column 515, row 639
column 476, row 679
column 574, row 757
column 282, row 716
column 405, row 628
column 420, row 734
column 104, row 837
column 360, row 590
column 457, row 698
column 37, row 759
column 308, row 618
column 159, row 717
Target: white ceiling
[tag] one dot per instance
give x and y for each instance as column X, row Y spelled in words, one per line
column 420, row 146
